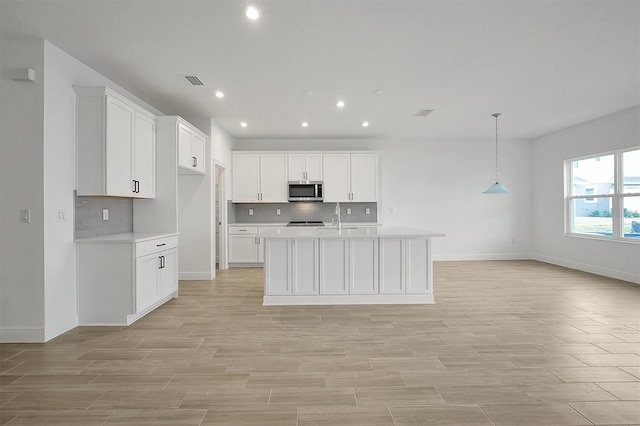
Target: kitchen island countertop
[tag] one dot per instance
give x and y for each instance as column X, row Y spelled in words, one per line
column 348, row 231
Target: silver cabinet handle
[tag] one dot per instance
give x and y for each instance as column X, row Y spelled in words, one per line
column 195, row 161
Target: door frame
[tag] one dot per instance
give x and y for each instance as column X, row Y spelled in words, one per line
column 220, row 247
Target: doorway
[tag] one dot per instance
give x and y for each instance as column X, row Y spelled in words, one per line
column 220, row 218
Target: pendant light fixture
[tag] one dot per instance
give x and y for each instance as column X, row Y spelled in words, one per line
column 497, row 188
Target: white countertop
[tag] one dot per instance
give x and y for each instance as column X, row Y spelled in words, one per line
column 348, row 231
column 129, row 237
column 272, row 224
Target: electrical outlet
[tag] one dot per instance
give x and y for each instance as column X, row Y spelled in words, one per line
column 278, row 212
column 348, row 211
column 62, row 215
column 250, row 212
column 105, row 214
column 367, row 210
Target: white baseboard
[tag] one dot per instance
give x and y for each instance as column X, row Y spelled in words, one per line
column 21, row 335
column 54, row 330
column 350, row 299
column 494, row 256
column 246, row 265
column 196, row 276
column 598, row 270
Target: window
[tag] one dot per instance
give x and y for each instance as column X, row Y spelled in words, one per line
column 590, row 191
column 603, row 196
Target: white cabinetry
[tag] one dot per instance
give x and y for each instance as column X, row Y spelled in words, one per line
column 277, row 267
column 304, row 266
column 122, row 277
column 115, row 145
column 392, row 262
column 291, row 267
column 191, row 150
column 334, row 266
column 259, row 178
column 350, row 177
column 245, row 246
column 363, row 266
column 305, row 167
column 354, row 266
column 405, row 266
column 349, row 266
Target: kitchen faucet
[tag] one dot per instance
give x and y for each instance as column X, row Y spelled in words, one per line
column 337, row 212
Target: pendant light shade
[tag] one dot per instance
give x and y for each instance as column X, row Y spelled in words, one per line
column 497, row 188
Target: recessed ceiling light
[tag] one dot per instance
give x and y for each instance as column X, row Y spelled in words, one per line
column 305, row 124
column 243, row 124
column 378, row 92
column 340, row 104
column 308, row 92
column 219, row 94
column 252, row 13
column 365, row 124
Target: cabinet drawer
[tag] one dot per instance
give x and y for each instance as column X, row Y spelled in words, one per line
column 153, row 246
column 243, row 230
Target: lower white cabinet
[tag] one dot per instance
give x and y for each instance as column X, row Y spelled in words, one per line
column 334, row 266
column 156, row 277
column 349, row 266
column 123, row 277
column 304, row 266
column 363, row 266
column 347, row 270
column 245, row 246
column 392, row 266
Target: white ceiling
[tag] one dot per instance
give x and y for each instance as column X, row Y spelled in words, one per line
column 545, row 64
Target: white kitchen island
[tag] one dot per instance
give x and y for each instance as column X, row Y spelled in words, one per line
column 351, row 266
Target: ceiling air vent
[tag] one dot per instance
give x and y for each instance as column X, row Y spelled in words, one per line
column 423, row 112
column 194, row 80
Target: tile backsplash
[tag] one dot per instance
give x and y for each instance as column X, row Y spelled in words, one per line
column 267, row 212
column 88, row 216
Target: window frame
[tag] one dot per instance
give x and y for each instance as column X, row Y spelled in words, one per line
column 617, row 198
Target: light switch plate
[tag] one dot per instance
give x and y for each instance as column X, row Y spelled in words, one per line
column 278, row 212
column 105, row 214
column 250, row 212
column 25, row 215
column 348, row 211
column 367, row 210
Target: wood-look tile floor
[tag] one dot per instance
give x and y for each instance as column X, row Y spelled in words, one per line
column 507, row 343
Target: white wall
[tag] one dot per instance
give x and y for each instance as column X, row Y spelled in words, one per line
column 438, row 185
column 38, row 290
column 21, row 187
column 196, row 206
column 614, row 259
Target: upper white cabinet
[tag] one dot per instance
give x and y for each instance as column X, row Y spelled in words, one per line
column 259, row 178
column 115, row 145
column 191, row 149
column 350, row 177
column 305, row 167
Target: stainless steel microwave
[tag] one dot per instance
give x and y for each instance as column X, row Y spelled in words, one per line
column 305, row 191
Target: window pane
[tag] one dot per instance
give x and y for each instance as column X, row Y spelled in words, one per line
column 631, row 171
column 596, row 173
column 594, row 218
column 631, row 223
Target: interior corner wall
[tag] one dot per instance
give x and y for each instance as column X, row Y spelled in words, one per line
column 613, row 259
column 437, row 185
column 21, row 187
